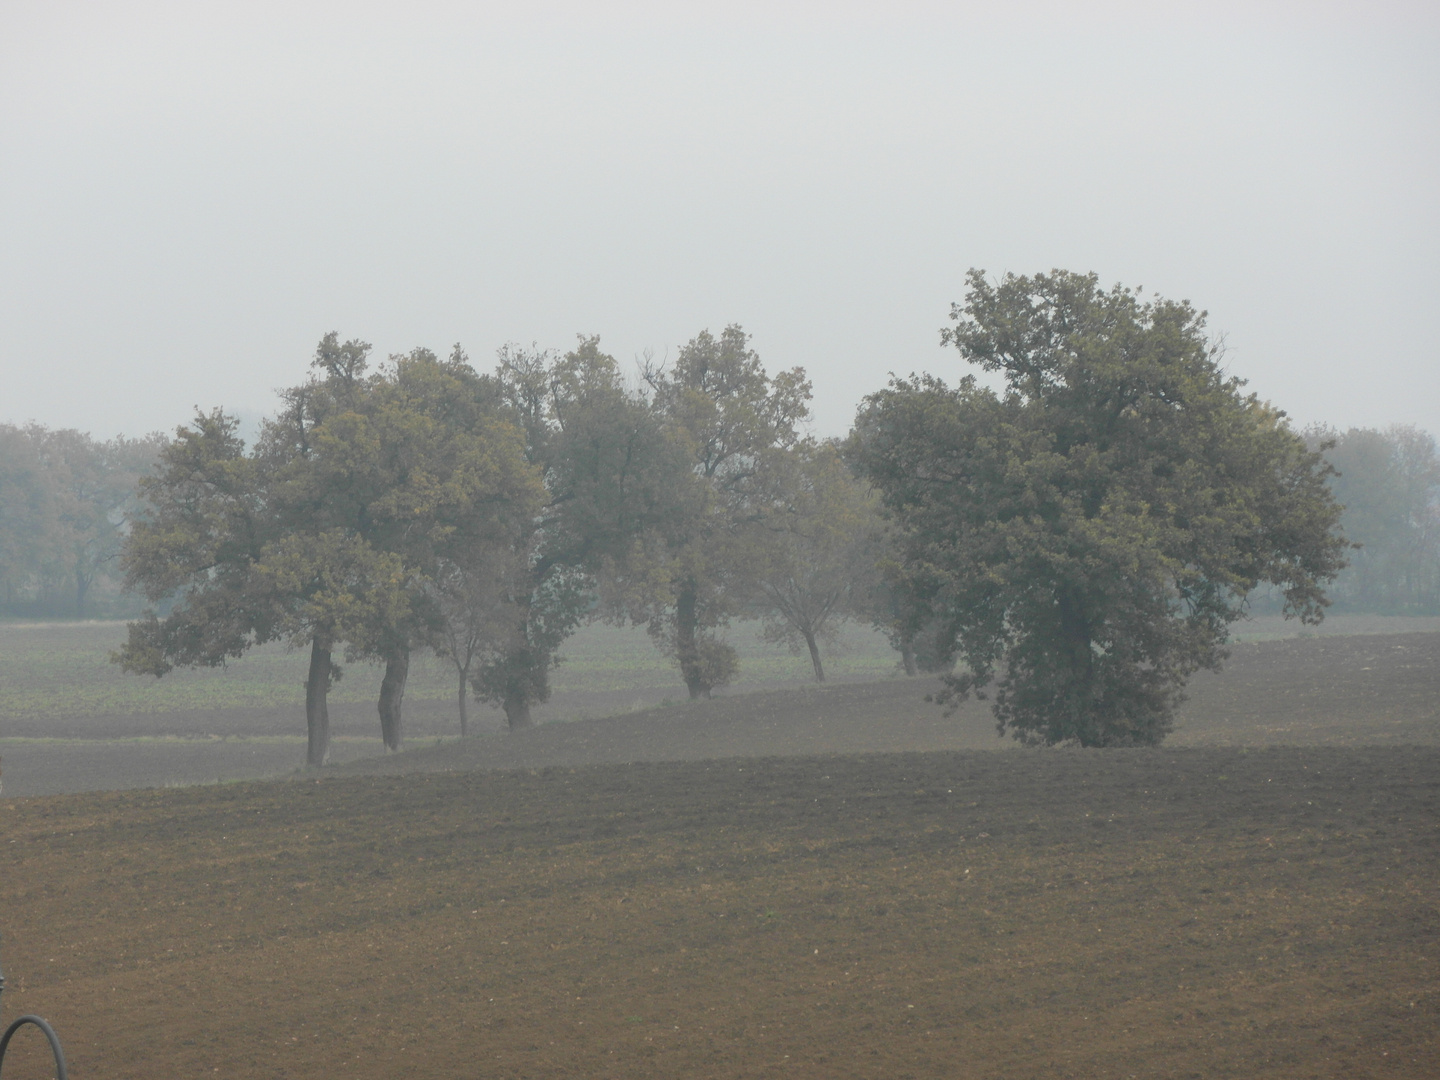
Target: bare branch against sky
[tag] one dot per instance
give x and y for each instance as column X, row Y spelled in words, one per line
column 192, row 194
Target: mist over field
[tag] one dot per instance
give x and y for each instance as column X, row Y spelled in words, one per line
column 71, row 721
column 595, row 540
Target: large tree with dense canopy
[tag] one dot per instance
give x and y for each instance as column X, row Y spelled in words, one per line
column 1087, row 533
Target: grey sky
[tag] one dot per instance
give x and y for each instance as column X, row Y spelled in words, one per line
column 192, row 194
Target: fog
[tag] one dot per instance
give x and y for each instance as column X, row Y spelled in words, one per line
column 190, row 195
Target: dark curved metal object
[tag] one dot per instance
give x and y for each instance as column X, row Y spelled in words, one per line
column 49, row 1034
column 45, row 1029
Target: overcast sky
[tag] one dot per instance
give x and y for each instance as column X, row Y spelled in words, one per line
column 191, row 194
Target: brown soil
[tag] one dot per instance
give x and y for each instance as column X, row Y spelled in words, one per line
column 1346, row 691
column 1152, row 913
column 1203, row 911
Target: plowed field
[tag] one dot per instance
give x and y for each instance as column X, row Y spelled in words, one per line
column 1222, row 909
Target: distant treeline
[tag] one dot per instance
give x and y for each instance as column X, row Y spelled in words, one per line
column 65, row 497
column 65, row 500
column 1389, row 484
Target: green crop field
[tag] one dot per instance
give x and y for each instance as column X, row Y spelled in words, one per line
column 71, row 720
column 61, row 670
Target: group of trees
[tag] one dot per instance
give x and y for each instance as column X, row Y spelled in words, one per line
column 1077, row 541
column 321, row 535
column 424, row 505
column 1389, row 484
column 64, row 500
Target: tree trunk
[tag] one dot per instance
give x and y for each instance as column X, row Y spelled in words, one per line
column 517, row 709
column 815, row 655
column 907, row 660
column 687, row 649
column 1079, row 657
column 464, row 712
column 392, row 694
column 317, row 714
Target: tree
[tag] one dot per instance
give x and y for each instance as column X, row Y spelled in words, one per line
column 64, row 497
column 196, row 544
column 896, row 603
column 29, row 517
column 218, row 541
column 94, row 484
column 418, row 460
column 1090, row 533
column 737, row 427
column 823, row 559
column 474, row 613
column 612, row 477
column 324, row 588
column 330, row 531
column 1389, row 484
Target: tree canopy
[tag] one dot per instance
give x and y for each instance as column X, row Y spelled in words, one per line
column 484, row 517
column 1086, row 534
column 735, row 429
column 1079, row 536
column 819, row 568
column 610, row 476
column 1389, row 484
column 64, row 497
column 329, row 530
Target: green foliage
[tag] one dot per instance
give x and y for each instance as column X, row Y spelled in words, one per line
column 27, row 510
column 64, row 499
column 737, row 429
column 610, row 476
column 1085, row 538
column 822, row 565
column 896, row 603
column 357, row 496
column 196, row 544
column 1389, row 484
column 472, row 601
column 335, row 583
